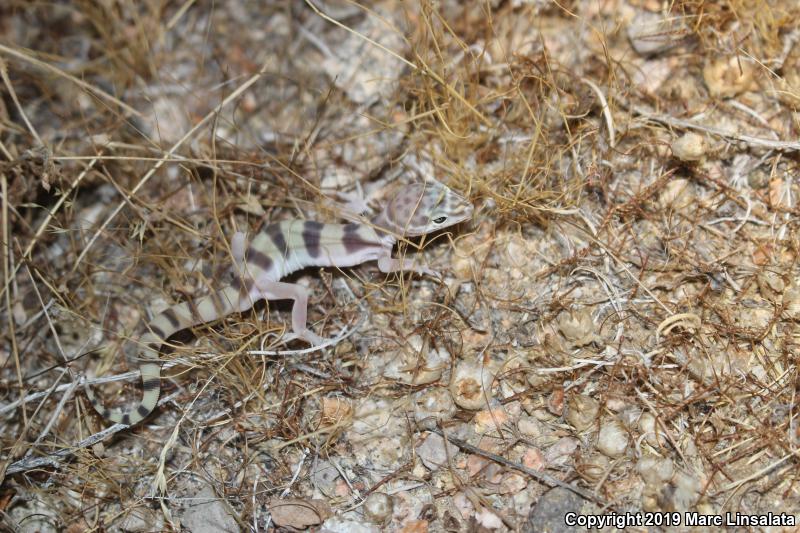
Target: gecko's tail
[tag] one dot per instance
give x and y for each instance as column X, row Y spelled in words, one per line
column 162, row 327
column 151, row 381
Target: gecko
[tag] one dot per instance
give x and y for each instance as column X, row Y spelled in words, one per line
column 282, row 248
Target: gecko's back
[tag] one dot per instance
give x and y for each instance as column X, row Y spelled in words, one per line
column 285, row 247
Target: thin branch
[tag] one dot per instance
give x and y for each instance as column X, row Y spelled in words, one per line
column 539, row 476
column 784, row 146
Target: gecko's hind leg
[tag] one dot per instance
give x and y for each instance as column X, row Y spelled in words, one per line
column 277, row 290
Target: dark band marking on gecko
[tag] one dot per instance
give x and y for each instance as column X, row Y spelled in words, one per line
column 312, row 235
column 259, row 259
column 275, row 233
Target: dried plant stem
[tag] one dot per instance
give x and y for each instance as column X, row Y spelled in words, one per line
column 167, row 156
column 424, row 69
column 133, row 374
column 7, row 258
column 50, row 214
column 606, row 111
column 20, row 109
column 547, row 479
column 761, row 472
column 58, row 72
column 784, row 146
column 54, row 459
column 53, row 416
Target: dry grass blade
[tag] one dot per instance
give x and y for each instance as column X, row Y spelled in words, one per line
column 169, row 154
column 27, row 58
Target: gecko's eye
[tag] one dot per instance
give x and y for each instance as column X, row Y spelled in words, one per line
column 439, row 220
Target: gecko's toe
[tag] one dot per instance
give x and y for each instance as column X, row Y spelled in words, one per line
column 425, row 271
column 312, row 338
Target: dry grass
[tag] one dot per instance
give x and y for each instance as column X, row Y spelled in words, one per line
column 634, row 298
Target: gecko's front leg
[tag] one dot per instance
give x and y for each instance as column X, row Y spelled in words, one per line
column 387, row 264
column 277, row 290
column 354, row 202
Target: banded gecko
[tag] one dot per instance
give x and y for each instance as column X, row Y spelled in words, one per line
column 285, row 247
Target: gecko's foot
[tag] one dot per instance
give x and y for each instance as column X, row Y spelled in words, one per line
column 425, row 271
column 312, row 338
column 353, row 202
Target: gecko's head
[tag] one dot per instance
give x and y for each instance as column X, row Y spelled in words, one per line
column 422, row 208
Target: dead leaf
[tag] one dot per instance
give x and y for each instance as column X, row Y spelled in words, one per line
column 762, row 254
column 335, row 411
column 250, row 205
column 555, row 403
column 5, row 499
column 415, row 526
column 776, row 193
column 297, row 513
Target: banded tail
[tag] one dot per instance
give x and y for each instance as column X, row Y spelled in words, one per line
column 170, row 321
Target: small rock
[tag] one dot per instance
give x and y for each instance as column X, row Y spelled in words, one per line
column 324, row 476
column 490, row 419
column 612, row 440
column 511, row 483
column 365, row 72
column 416, row 363
column 378, row 508
column 432, row 451
column 786, row 87
column 547, row 515
column 534, row 459
column 338, row 524
column 655, row 470
column 653, row 33
column 488, row 519
column 382, row 452
column 771, row 285
column 207, row 514
column 582, row 411
column 375, row 418
column 577, row 326
column 530, row 427
column 432, row 406
column 689, row 147
column 471, row 385
column 463, row 505
column 555, row 402
column 727, row 77
column 680, row 493
column 296, row 513
column 560, row 452
column 593, row 468
column 653, row 435
column 336, row 411
column 677, row 195
column 791, row 303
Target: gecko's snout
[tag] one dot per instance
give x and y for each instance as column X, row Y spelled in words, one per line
column 461, row 209
column 469, row 210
